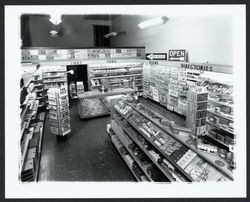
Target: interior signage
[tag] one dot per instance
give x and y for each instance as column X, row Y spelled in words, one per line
column 76, row 63
column 156, row 56
column 111, row 61
column 177, row 55
column 200, row 67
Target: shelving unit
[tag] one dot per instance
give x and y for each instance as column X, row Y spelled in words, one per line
column 134, row 115
column 220, row 114
column 124, row 74
column 129, row 131
column 38, row 89
column 125, row 157
column 30, row 157
column 51, row 79
column 220, row 103
column 59, row 111
column 217, row 126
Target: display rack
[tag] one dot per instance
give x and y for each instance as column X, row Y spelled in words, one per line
column 38, row 89
column 31, row 137
column 59, row 110
column 183, row 157
column 220, row 122
column 53, row 79
column 117, row 75
column 168, row 85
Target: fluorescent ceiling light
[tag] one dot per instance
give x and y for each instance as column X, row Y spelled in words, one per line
column 55, row 19
column 153, row 22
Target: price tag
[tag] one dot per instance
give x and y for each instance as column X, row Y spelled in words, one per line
column 111, row 61
column 184, row 83
column 170, row 107
column 231, row 148
column 76, row 62
column 173, row 93
column 174, row 81
column 178, row 110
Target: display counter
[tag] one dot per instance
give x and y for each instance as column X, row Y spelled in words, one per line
column 174, row 152
column 94, row 103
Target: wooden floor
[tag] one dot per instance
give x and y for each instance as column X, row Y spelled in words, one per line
column 87, row 154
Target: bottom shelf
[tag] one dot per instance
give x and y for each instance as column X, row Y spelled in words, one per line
column 116, row 143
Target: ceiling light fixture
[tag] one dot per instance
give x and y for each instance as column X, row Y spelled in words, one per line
column 153, row 22
column 54, row 33
column 55, row 19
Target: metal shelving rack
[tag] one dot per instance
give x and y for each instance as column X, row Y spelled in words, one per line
column 110, row 72
column 59, row 110
column 130, row 127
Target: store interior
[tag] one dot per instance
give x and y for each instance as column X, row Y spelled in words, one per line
column 130, row 98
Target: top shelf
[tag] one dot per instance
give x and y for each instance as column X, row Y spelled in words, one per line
column 119, row 76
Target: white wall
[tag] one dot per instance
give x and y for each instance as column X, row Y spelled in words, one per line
column 207, row 39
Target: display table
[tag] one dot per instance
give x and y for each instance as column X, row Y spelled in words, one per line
column 92, row 103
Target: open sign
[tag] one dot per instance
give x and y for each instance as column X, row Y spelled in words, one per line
column 177, row 55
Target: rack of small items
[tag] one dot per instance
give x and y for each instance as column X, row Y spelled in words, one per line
column 38, row 88
column 32, row 123
column 220, row 114
column 53, row 79
column 59, row 110
column 119, row 75
column 172, row 149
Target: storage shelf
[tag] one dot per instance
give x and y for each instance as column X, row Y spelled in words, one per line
column 137, row 161
column 125, row 128
column 149, row 140
column 217, row 126
column 48, row 77
column 220, row 103
column 134, row 174
column 119, row 76
column 55, row 81
column 219, row 141
column 116, row 72
column 220, row 115
column 208, row 157
column 37, row 85
column 217, row 93
column 116, row 67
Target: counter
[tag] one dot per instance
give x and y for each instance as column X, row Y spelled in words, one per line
column 93, row 103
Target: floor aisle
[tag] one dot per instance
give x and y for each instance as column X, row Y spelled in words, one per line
column 87, row 154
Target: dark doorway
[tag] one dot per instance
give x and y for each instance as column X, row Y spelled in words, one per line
column 99, row 39
column 80, row 74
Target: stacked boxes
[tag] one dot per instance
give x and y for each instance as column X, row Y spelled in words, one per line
column 197, row 110
column 59, row 110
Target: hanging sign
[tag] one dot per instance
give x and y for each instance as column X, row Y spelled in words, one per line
column 177, row 55
column 156, row 56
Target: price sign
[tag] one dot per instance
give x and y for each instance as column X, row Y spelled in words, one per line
column 178, row 110
column 170, row 107
column 76, row 62
column 173, row 93
column 111, row 61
